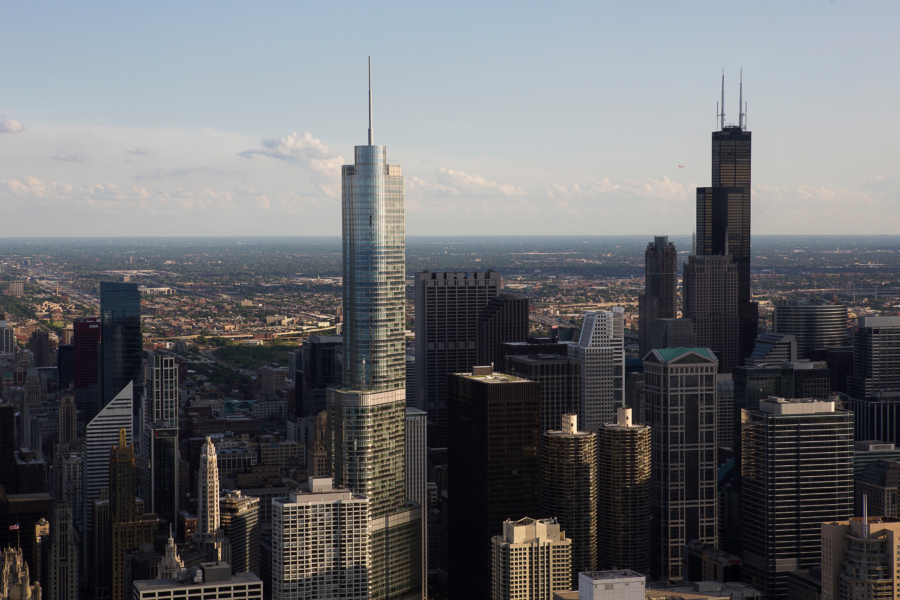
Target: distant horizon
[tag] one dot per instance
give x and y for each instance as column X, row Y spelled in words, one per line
column 480, row 237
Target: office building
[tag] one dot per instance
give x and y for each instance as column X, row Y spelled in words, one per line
column 120, row 339
column 533, row 345
column 877, row 417
column 870, row 452
column 448, row 306
column 503, row 320
column 707, row 563
column 624, row 487
column 601, row 350
column 39, row 344
column 31, row 471
column 680, row 392
column 725, row 420
column 320, row 371
column 796, row 473
column 773, row 349
column 724, row 225
column 657, row 301
column 209, row 529
column 877, row 488
column 493, row 468
column 239, row 516
column 813, row 325
column 560, row 379
column 159, row 470
column 62, row 574
column 161, row 398
column 67, row 418
column 634, row 396
column 16, row 288
column 274, row 378
column 569, row 488
column 710, row 301
column 861, row 558
column 86, row 343
column 65, row 366
column 8, row 447
column 621, row 584
column 876, row 357
column 66, row 480
column 101, row 434
column 671, row 333
column 130, row 526
column 320, row 543
column 163, row 472
column 8, row 342
column 525, row 543
column 410, row 381
column 417, row 475
column 210, row 581
column 367, row 414
column 839, row 360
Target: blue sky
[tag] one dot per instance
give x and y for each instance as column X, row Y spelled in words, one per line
column 221, row 118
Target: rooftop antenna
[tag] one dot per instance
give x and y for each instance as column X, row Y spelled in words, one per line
column 741, row 102
column 722, row 114
column 370, row 100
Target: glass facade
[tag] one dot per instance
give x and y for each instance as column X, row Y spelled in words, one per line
column 120, row 338
column 374, row 241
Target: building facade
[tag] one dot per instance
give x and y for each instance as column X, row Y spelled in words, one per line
column 560, row 379
column 796, row 473
column 121, row 359
column 680, row 391
column 710, row 300
column 503, row 320
column 516, row 554
column 812, row 325
column 876, row 357
column 861, row 558
column 601, row 350
column 239, row 517
column 660, row 284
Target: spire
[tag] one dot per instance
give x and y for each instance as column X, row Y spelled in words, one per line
column 370, row 100
column 722, row 115
column 741, row 102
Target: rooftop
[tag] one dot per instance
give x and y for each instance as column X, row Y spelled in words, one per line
column 670, row 354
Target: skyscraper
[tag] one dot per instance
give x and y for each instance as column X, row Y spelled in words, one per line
column 86, row 342
column 796, row 473
column 159, row 437
column 560, row 379
column 504, row 319
column 62, row 575
column 813, row 325
column 660, row 282
column 601, row 350
column 39, row 344
column 447, row 309
column 367, row 415
column 67, row 418
column 624, row 494
column 710, row 301
column 239, row 516
column 7, row 338
column 723, row 220
column 493, row 469
column 876, row 357
column 319, row 371
column 209, row 530
column 417, row 475
column 860, row 558
column 102, row 433
column 120, row 339
column 522, row 545
column 680, row 391
column 569, row 489
column 65, row 366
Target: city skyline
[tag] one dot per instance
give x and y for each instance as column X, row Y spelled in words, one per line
column 557, row 136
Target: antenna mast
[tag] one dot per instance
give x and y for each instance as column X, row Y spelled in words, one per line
column 722, row 115
column 370, row 100
column 741, row 123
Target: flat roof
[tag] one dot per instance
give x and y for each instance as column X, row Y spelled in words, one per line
column 155, row 584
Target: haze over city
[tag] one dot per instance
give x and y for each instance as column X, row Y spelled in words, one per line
column 222, row 119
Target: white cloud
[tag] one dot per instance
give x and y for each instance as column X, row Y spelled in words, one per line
column 475, row 185
column 10, row 125
column 68, row 156
column 301, row 149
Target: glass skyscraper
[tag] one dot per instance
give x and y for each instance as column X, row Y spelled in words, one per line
column 367, row 414
column 120, row 339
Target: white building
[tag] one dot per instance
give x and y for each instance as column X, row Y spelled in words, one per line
column 102, row 434
column 209, row 530
column 532, row 559
column 601, row 350
column 611, row 585
column 209, row 581
column 320, row 543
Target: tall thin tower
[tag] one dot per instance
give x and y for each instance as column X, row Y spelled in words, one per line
column 209, row 530
column 367, row 416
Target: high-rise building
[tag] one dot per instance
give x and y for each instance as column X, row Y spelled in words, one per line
column 120, row 339
column 320, row 371
column 163, row 471
column 877, row 488
column 876, row 357
column 67, row 418
column 320, row 543
column 773, row 349
column 723, row 222
column 680, row 391
column 493, row 468
column 410, row 381
column 869, row 452
column 524, row 544
column 417, row 475
column 159, row 437
column 569, row 489
column 86, row 342
column 710, row 301
column 66, row 480
column 447, row 309
column 504, row 319
column 274, row 378
column 725, row 420
column 239, row 516
column 812, row 325
column 7, row 338
column 62, row 575
column 796, row 473
column 367, row 414
column 209, row 529
column 39, row 344
column 101, row 434
column 601, row 350
column 16, row 288
column 65, row 366
column 624, row 494
column 206, row 580
column 560, row 379
column 877, row 417
column 860, row 558
column 534, row 345
column 8, row 447
column 660, row 282
column 161, row 398
column 171, row 564
column 671, row 333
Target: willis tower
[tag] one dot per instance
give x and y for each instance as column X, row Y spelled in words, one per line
column 723, row 214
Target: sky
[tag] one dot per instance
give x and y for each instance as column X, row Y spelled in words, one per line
column 233, row 118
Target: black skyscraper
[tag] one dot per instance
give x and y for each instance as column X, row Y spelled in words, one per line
column 504, row 319
column 120, row 339
column 320, row 370
column 660, row 281
column 723, row 216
